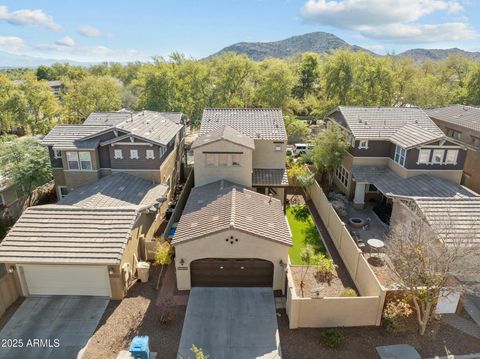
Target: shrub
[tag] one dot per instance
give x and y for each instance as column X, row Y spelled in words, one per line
column 332, row 338
column 395, row 313
column 348, row 292
column 324, row 266
column 289, row 152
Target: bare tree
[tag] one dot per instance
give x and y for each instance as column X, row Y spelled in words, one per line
column 427, row 254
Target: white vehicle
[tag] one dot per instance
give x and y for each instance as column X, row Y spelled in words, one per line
column 301, row 148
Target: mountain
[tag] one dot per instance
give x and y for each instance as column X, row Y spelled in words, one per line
column 9, row 60
column 437, row 54
column 320, row 42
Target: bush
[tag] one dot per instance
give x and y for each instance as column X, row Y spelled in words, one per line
column 332, row 338
column 348, row 292
column 395, row 314
column 289, row 153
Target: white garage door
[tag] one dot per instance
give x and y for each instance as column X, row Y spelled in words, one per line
column 67, row 280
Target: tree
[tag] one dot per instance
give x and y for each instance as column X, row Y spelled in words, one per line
column 26, row 163
column 90, row 94
column 157, row 87
column 11, row 97
column 274, row 84
column 296, row 129
column 163, row 256
column 338, row 74
column 426, row 259
column 308, row 74
column 329, row 150
column 473, row 85
column 305, row 180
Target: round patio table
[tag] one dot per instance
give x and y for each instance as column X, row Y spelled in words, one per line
column 376, row 244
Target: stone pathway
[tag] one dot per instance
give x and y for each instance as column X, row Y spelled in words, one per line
column 462, row 324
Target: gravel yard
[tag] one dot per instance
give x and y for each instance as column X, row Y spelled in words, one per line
column 137, row 314
column 361, row 341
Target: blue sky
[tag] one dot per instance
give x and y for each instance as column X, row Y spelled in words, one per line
column 129, row 30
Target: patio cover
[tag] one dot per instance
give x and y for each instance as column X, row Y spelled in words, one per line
column 391, row 184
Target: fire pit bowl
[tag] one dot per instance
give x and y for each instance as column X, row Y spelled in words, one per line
column 356, row 222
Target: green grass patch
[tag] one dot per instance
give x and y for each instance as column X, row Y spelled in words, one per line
column 304, row 232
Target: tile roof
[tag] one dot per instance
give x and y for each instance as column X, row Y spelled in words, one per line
column 465, row 116
column 383, row 122
column 454, row 219
column 226, row 133
column 256, row 123
column 413, row 135
column 107, row 118
column 223, row 205
column 69, row 136
column 152, row 126
column 116, row 191
column 67, row 234
column 391, row 184
column 269, row 177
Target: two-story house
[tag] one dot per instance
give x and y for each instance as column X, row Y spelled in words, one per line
column 233, row 231
column 396, row 152
column 462, row 123
column 114, row 175
column 146, row 144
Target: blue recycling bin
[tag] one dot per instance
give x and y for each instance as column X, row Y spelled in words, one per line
column 139, row 348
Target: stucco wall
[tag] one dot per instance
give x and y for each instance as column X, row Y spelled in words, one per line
column 265, row 155
column 9, row 291
column 472, row 169
column 241, row 175
column 215, row 246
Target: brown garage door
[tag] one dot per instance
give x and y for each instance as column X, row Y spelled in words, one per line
column 214, row 272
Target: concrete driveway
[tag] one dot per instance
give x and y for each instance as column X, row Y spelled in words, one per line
column 230, row 323
column 54, row 327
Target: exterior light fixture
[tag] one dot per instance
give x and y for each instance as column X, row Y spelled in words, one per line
column 182, row 261
column 110, row 271
column 11, row 269
column 282, row 264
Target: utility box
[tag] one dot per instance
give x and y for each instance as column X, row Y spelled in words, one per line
column 143, row 269
column 139, row 348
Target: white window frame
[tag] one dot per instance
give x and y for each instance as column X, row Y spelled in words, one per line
column 134, row 154
column 77, row 160
column 223, row 155
column 150, row 154
column 162, row 151
column 213, row 157
column 118, row 154
column 238, row 162
column 400, row 155
column 426, row 161
column 60, row 195
column 278, row 147
column 435, row 152
column 363, row 144
column 343, row 175
column 57, row 154
column 455, row 157
column 90, row 167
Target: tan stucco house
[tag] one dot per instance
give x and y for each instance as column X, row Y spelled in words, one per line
column 233, row 231
column 89, row 243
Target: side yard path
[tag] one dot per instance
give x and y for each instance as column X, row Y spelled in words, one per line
column 138, row 314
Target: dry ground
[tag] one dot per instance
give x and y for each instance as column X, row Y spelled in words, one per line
column 137, row 314
column 361, row 341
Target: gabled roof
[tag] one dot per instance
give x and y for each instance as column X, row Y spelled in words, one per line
column 382, row 123
column 424, row 185
column 413, row 135
column 461, row 115
column 91, row 224
column 223, row 205
column 226, row 133
column 70, row 136
column 453, row 219
column 67, row 234
column 256, row 123
column 116, row 191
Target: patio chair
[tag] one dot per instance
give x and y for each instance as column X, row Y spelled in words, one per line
column 356, row 237
column 366, row 226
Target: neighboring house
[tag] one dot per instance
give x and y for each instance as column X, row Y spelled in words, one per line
column 245, row 146
column 396, row 151
column 146, row 144
column 9, row 203
column 463, row 124
column 89, row 243
column 55, row 86
column 233, row 231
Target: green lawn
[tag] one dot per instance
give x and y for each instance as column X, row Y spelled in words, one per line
column 304, row 232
